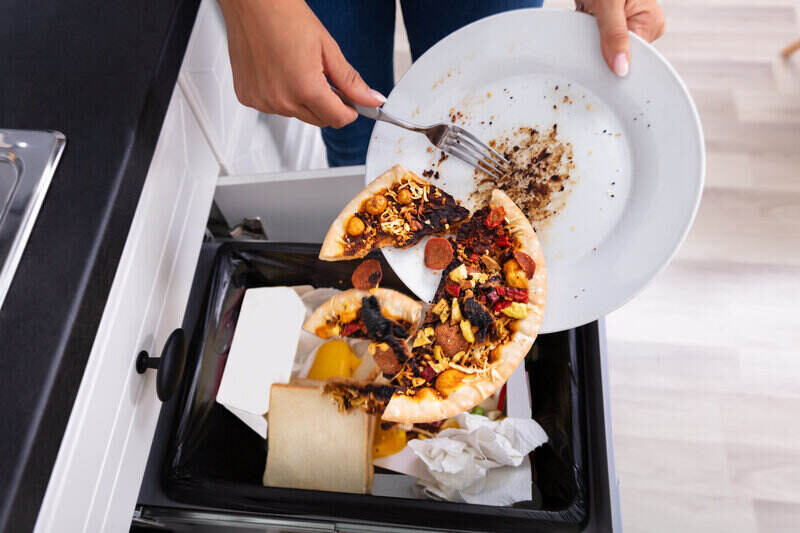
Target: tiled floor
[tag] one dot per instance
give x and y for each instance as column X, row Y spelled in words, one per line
column 705, row 363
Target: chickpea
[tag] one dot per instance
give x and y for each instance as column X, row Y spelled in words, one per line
column 355, row 227
column 376, row 204
column 404, row 197
column 515, row 276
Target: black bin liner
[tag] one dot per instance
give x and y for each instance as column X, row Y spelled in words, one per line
column 216, row 460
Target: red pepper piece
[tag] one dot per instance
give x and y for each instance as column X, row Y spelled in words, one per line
column 518, row 295
column 495, row 217
column 499, row 306
column 428, row 373
column 351, row 328
column 474, row 258
column 503, row 241
column 501, row 399
column 512, row 293
column 452, row 289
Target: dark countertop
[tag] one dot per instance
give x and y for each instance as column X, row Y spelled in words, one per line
column 102, row 73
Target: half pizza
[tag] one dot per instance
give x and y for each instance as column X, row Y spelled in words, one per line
column 484, row 319
column 397, row 209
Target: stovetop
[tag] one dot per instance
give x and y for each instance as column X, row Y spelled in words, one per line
column 27, row 162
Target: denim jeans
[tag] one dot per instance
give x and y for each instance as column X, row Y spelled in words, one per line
column 364, row 30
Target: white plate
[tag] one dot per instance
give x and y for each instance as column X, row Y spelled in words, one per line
column 600, row 249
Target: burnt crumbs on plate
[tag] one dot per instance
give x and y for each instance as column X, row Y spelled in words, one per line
column 541, row 173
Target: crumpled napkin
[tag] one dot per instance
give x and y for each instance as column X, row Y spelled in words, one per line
column 483, row 461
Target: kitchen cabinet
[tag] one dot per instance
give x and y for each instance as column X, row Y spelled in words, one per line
column 209, row 146
column 99, row 467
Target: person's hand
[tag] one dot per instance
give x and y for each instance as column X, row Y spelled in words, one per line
column 615, row 18
column 281, row 54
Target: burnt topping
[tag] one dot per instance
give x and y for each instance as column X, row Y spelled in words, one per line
column 382, row 330
column 479, row 317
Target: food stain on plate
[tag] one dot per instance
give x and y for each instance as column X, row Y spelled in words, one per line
column 542, row 175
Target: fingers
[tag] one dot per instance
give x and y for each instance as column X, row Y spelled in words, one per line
column 649, row 24
column 613, row 27
column 329, row 108
column 346, row 78
column 306, row 115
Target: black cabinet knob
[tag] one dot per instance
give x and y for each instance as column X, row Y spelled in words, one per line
column 169, row 365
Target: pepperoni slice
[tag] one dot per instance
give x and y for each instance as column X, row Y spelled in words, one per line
column 367, row 275
column 526, row 262
column 438, row 253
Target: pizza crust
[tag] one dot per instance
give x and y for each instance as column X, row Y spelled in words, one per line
column 427, row 406
column 394, row 305
column 332, row 248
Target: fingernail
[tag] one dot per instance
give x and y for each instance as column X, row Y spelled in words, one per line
column 621, row 65
column 378, row 96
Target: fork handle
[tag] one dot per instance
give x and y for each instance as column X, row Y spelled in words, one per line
column 376, row 113
column 370, row 112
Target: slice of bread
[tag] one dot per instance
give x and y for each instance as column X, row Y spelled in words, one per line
column 314, row 446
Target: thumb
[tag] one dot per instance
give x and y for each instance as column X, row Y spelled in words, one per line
column 614, row 36
column 345, row 78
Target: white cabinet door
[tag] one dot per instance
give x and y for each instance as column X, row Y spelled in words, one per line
column 99, row 468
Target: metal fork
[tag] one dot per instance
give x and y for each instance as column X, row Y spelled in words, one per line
column 451, row 139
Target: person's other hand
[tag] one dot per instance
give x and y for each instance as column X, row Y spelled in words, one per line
column 615, row 18
column 281, row 54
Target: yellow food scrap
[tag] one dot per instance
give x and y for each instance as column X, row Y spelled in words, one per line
column 455, row 313
column 459, row 273
column 440, row 306
column 424, row 337
column 355, row 226
column 441, row 309
column 326, row 331
column 448, row 381
column 516, row 310
column 374, row 347
column 457, row 357
column 438, row 353
column 348, row 315
column 466, row 331
column 334, row 359
column 515, row 276
column 450, row 423
column 388, row 441
column 480, row 277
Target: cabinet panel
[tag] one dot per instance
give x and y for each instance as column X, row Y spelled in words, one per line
column 104, row 451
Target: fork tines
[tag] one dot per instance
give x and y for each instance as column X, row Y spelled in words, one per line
column 465, row 146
